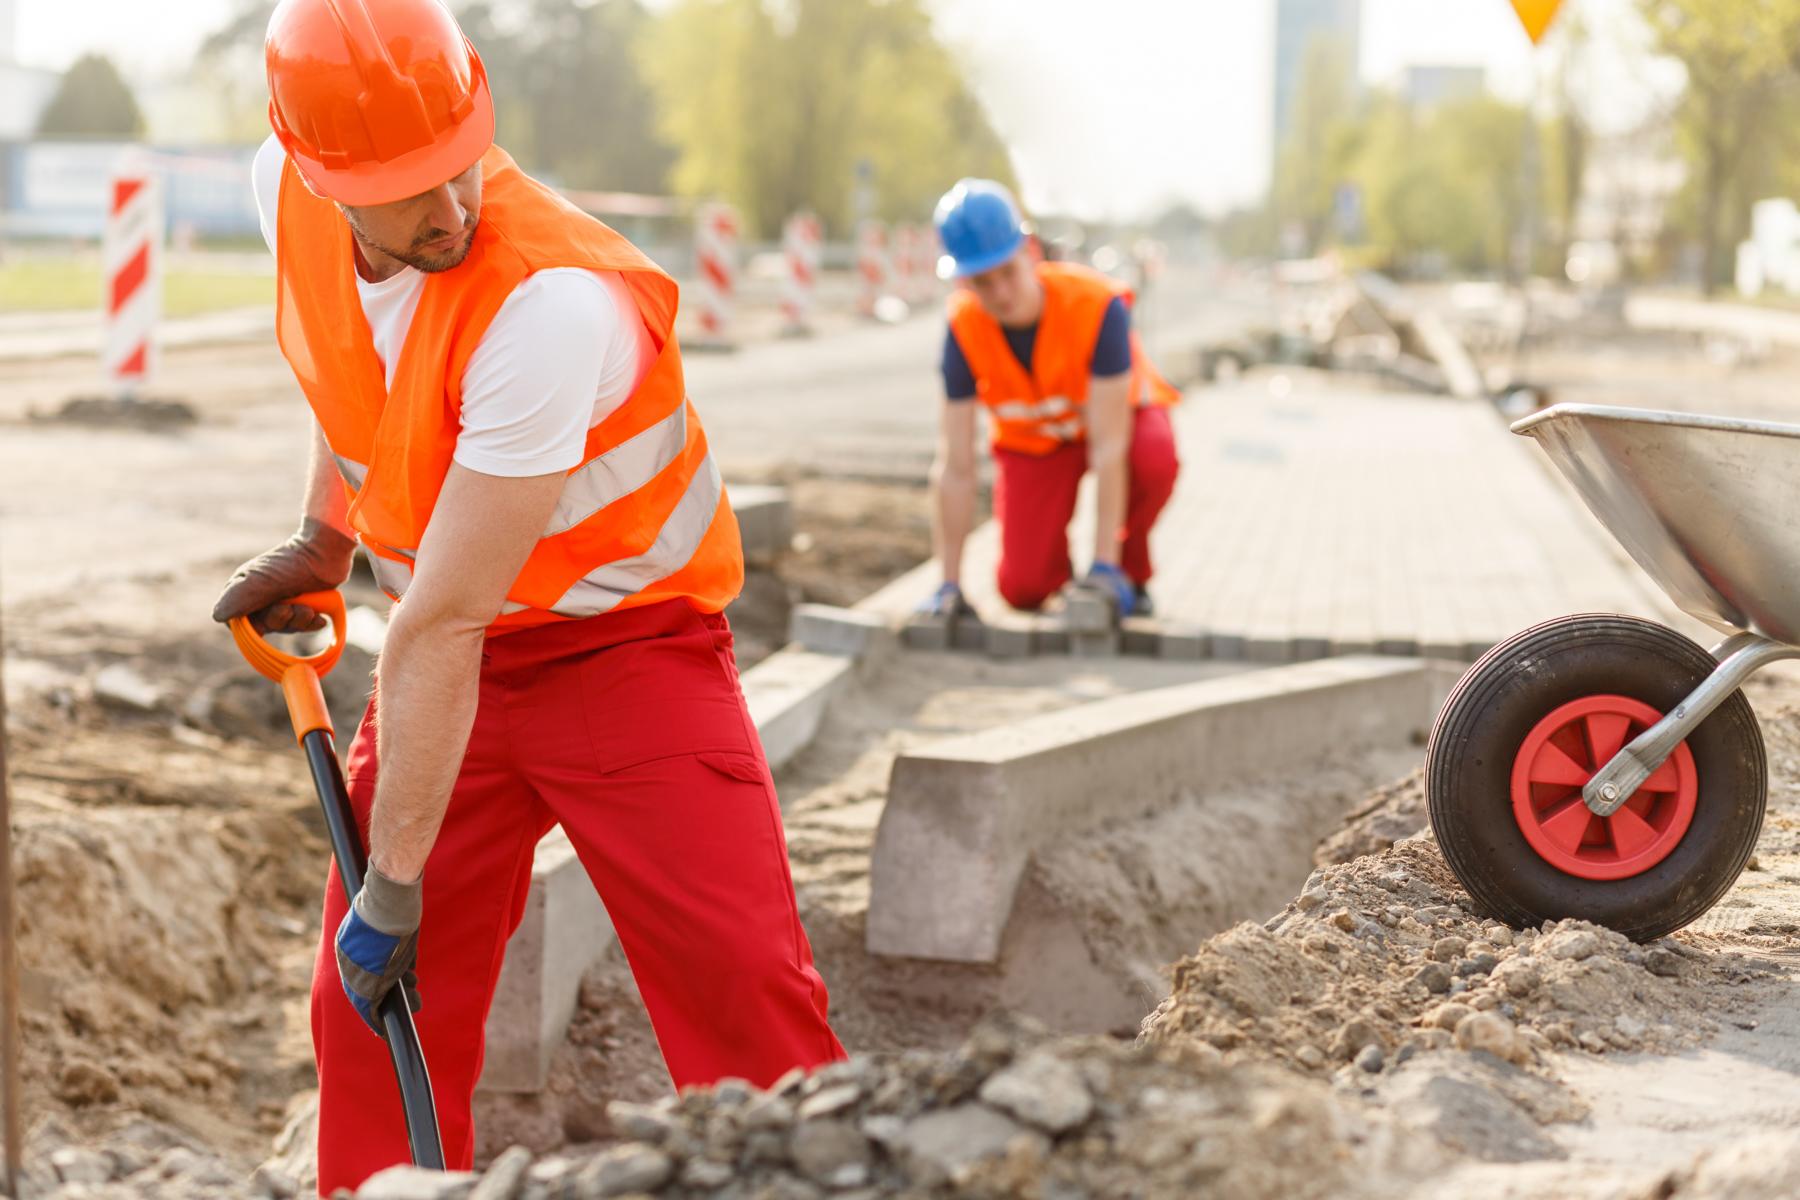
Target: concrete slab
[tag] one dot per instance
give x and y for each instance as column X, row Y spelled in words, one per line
column 828, row 629
column 765, row 520
column 964, row 817
column 788, row 693
column 564, row 932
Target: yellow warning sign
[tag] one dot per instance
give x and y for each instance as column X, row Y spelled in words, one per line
column 1535, row 16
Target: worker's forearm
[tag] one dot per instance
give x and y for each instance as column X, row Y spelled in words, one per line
column 953, row 496
column 1108, row 460
column 325, row 500
column 426, row 685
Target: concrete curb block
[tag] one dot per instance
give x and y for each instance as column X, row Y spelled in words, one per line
column 765, row 520
column 964, row 817
column 788, row 693
column 565, row 931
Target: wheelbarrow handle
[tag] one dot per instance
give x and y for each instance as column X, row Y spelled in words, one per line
column 298, row 675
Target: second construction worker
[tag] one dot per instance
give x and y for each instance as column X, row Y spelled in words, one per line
column 1047, row 349
column 502, row 423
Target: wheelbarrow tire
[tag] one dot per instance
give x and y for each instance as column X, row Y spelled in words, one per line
column 1495, row 707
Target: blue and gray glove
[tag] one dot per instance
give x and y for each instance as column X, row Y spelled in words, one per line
column 1106, row 578
column 377, row 944
column 947, row 601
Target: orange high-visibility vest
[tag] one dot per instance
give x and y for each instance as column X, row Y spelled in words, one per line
column 1036, row 411
column 644, row 516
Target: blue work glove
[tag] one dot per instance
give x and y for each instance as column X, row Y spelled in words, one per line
column 947, row 601
column 1104, row 577
column 377, row 943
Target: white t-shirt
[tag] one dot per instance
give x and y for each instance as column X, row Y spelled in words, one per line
column 566, row 349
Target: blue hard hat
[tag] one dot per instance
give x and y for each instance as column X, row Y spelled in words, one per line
column 980, row 226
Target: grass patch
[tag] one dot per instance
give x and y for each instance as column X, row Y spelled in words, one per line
column 60, row 284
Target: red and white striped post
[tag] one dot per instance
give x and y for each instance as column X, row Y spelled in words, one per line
column 801, row 241
column 923, row 276
column 131, row 254
column 715, row 252
column 873, row 265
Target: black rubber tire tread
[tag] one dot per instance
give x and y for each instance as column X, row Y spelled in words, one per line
column 1477, row 735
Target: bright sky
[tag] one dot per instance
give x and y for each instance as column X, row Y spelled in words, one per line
column 1111, row 108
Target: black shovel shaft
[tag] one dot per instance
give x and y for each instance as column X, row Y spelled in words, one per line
column 402, row 1037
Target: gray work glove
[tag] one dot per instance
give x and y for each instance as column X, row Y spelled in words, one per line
column 316, row 559
column 377, row 944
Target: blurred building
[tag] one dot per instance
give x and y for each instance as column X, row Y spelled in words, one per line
column 1429, row 85
column 1298, row 24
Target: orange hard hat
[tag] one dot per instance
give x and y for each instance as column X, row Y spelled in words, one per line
column 376, row 100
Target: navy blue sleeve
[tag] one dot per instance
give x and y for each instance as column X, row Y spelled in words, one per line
column 959, row 381
column 1112, row 350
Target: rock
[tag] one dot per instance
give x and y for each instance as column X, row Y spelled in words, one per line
column 82, row 1083
column 1477, row 964
column 940, row 1144
column 1434, row 977
column 1345, row 921
column 829, row 1100
column 1499, row 935
column 731, row 1093
column 623, row 1169
column 1518, row 976
column 1631, row 1028
column 276, row 1184
column 415, row 1183
column 1665, row 963
column 504, row 1176
column 1041, row 1090
column 832, row 1153
column 1571, row 945
column 1310, row 899
column 73, row 1164
column 1447, row 1015
column 1591, row 1042
column 1370, row 1059
column 1490, row 1032
column 1352, row 1037
column 1459, row 1106
column 118, row 686
column 704, row 1173
column 886, row 1131
column 641, row 1122
column 767, row 1111
column 1448, row 949
column 1310, row 1056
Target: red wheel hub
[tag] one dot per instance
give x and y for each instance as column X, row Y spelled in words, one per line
column 1565, row 750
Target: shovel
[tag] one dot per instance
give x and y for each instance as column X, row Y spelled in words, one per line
column 299, row 680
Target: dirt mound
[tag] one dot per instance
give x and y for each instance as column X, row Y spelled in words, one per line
column 1379, row 959
column 1391, row 814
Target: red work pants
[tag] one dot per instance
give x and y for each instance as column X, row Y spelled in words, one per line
column 1034, row 501
column 631, row 731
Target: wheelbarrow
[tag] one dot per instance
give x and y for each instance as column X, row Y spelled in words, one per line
column 1607, row 767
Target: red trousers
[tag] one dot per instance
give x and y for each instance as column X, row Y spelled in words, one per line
column 1034, row 501
column 631, row 731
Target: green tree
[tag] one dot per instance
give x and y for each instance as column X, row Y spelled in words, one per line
column 774, row 104
column 1741, row 58
column 92, row 100
column 568, row 95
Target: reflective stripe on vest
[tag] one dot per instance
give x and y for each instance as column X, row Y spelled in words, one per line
column 602, row 589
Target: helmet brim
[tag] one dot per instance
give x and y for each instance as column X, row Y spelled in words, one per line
column 411, row 174
column 950, row 267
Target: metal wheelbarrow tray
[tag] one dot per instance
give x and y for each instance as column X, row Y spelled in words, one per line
column 1607, row 767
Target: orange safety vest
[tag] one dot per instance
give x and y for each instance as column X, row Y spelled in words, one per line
column 644, row 516
column 1037, row 411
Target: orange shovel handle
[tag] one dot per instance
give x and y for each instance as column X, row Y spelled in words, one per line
column 298, row 676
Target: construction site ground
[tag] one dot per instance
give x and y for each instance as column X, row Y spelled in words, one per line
column 170, row 858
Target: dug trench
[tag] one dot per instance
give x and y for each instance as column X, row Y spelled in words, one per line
column 1372, row 1036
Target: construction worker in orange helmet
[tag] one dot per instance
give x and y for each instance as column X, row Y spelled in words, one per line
column 502, row 425
column 1048, row 352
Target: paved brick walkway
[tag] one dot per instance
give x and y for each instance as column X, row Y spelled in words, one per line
column 1316, row 516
